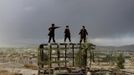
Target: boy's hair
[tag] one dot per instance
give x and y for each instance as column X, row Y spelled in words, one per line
column 83, row 26
column 53, row 24
column 67, row 26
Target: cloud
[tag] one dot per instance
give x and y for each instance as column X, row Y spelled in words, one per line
column 29, row 9
column 113, row 42
column 28, row 20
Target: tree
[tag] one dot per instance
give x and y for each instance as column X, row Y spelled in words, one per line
column 78, row 58
column 82, row 55
column 43, row 58
column 120, row 61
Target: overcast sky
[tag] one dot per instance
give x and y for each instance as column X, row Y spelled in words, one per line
column 109, row 22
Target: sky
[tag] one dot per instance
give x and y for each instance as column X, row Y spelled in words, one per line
column 26, row 22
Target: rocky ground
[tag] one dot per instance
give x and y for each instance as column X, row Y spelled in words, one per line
column 24, row 62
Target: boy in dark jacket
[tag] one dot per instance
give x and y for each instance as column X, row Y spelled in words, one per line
column 51, row 33
column 67, row 34
column 83, row 33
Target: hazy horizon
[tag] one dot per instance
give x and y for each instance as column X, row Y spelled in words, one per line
column 26, row 22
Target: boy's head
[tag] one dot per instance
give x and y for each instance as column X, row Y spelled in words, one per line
column 53, row 25
column 67, row 26
column 83, row 27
